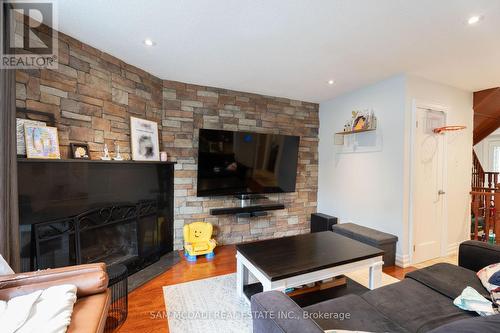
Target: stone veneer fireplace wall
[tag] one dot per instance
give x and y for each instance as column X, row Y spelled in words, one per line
column 93, row 94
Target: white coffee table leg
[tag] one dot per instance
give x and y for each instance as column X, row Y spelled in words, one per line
column 241, row 276
column 266, row 285
column 375, row 275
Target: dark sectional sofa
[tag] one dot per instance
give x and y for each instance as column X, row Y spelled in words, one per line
column 422, row 302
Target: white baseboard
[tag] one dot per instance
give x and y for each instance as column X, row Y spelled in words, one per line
column 452, row 249
column 402, row 260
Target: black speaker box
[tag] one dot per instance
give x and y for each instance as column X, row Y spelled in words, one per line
column 322, row 222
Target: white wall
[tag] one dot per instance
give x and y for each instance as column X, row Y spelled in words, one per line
column 365, row 188
column 459, row 107
column 372, row 189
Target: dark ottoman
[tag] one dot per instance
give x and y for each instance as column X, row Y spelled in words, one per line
column 378, row 239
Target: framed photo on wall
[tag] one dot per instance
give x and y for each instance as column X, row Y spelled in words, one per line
column 144, row 140
column 41, row 142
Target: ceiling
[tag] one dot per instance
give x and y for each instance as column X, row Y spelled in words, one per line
column 291, row 48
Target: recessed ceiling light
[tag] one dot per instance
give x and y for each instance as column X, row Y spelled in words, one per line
column 148, row 42
column 474, row 19
column 330, row 82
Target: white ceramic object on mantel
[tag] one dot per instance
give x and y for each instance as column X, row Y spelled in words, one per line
column 118, row 156
column 106, row 156
column 163, row 156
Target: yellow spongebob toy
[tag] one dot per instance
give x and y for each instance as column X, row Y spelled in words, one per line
column 198, row 240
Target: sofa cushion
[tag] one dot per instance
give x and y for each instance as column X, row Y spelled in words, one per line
column 414, row 306
column 490, row 324
column 350, row 312
column 448, row 279
column 275, row 312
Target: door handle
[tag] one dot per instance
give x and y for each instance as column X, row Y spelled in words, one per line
column 441, row 192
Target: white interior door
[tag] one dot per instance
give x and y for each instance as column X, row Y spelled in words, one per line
column 428, row 181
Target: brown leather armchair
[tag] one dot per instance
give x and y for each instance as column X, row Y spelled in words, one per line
column 91, row 308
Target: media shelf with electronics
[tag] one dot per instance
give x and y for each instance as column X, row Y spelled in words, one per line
column 254, row 207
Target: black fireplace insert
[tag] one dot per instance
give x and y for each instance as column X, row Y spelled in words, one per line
column 77, row 212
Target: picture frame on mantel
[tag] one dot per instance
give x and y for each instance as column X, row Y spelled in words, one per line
column 42, row 142
column 144, row 140
column 80, row 151
column 20, row 137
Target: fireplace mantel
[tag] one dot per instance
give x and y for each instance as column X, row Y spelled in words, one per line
column 36, row 160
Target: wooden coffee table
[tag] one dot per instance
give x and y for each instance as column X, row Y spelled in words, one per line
column 282, row 263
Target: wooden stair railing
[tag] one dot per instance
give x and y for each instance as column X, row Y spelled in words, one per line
column 491, row 179
column 484, row 206
column 477, row 171
column 480, row 178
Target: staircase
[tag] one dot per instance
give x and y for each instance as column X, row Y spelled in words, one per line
column 485, row 187
column 480, row 178
column 486, row 113
column 485, row 197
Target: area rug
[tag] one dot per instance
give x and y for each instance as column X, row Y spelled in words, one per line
column 212, row 306
column 209, row 306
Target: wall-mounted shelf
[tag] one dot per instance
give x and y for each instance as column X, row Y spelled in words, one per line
column 363, row 140
column 248, row 211
column 358, row 141
column 356, row 131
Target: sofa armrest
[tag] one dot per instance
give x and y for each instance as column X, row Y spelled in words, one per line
column 89, row 279
column 90, row 314
column 475, row 255
column 274, row 312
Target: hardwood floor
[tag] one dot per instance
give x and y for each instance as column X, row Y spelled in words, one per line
column 398, row 272
column 146, row 307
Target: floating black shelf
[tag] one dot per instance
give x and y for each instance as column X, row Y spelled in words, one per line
column 248, row 211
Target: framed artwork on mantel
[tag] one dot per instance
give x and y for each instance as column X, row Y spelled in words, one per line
column 42, row 142
column 144, row 137
column 21, row 141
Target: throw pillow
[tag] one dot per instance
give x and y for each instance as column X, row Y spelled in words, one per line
column 485, row 275
column 4, row 267
column 495, row 279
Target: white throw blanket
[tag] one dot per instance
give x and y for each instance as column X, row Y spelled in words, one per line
column 43, row 311
column 4, row 267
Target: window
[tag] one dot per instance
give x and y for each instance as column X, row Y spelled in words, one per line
column 493, row 161
column 496, row 159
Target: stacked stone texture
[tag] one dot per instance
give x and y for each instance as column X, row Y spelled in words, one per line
column 93, row 95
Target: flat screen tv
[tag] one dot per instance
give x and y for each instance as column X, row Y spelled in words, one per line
column 239, row 163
